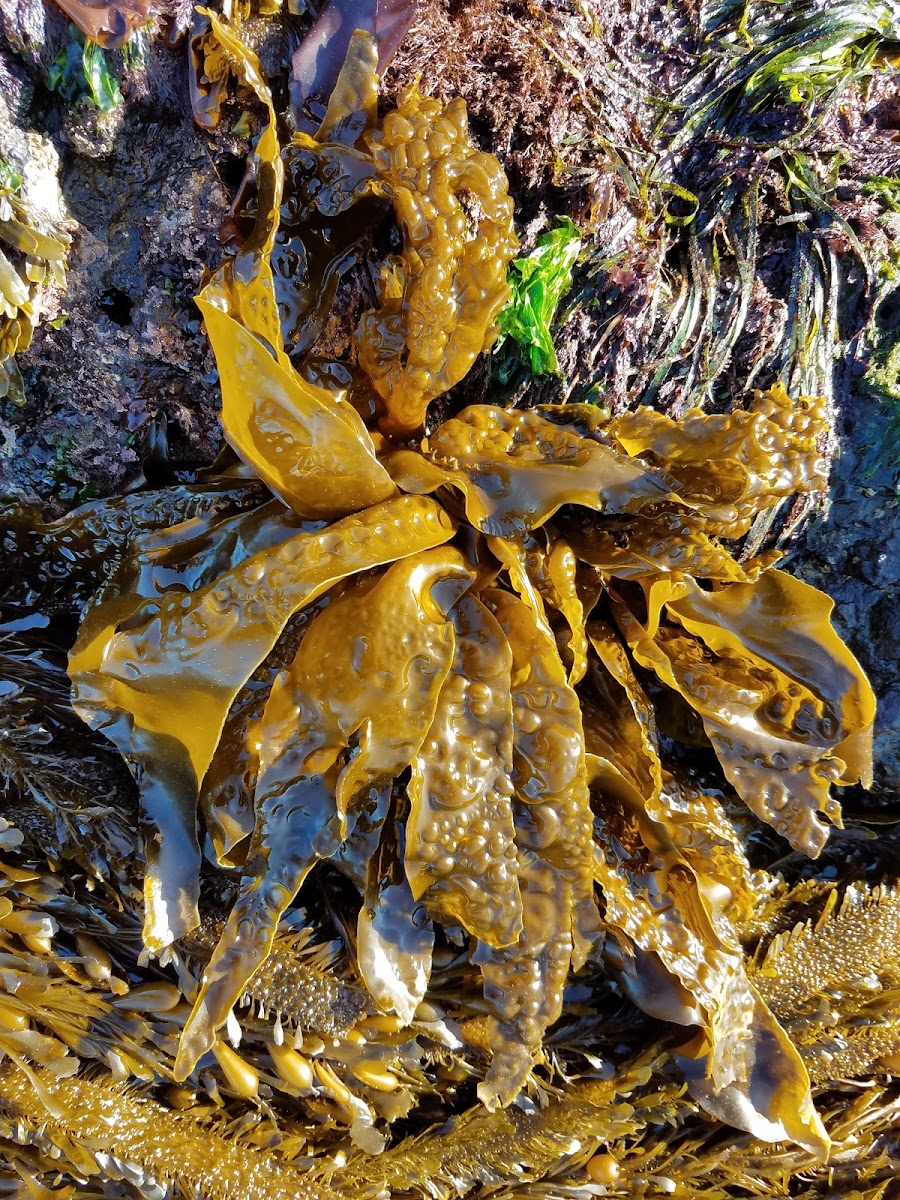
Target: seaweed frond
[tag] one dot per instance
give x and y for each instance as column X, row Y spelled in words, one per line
column 104, row 1130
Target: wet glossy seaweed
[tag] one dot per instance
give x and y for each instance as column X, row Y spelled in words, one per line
column 438, row 662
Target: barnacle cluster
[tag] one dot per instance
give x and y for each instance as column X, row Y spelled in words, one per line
column 505, row 680
column 34, row 260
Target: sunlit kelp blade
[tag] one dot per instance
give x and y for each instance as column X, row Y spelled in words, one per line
column 620, row 729
column 441, row 296
column 731, row 467
column 753, row 755
column 752, row 619
column 515, row 469
column 370, row 669
column 775, row 711
column 107, row 23
column 161, row 688
column 395, row 936
column 75, row 554
column 619, row 722
column 226, row 794
column 667, row 542
column 524, row 982
column 30, row 234
column 772, row 1099
column 460, row 840
column 652, row 866
column 243, row 286
column 743, row 1068
column 310, row 447
column 543, row 571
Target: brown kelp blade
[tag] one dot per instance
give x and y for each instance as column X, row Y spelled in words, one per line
column 441, row 296
column 524, row 982
column 460, row 840
column 673, row 542
column 394, row 934
column 109, row 23
column 784, row 703
column 743, row 1067
column 733, row 466
column 515, row 469
column 317, row 61
column 242, row 286
column 543, row 571
column 309, row 446
column 161, row 686
column 369, row 669
column 772, row 1100
column 787, row 623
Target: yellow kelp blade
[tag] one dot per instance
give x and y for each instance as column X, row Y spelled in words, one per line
column 394, row 935
column 743, row 1067
column 515, row 469
column 332, row 203
column 619, row 723
column 309, row 446
column 160, row 684
column 460, row 841
column 666, row 542
column 780, row 745
column 370, row 666
column 243, row 285
column 773, row 1102
column 733, row 466
column 787, row 623
column 620, row 727
column 542, row 569
column 524, row 982
column 226, row 795
column 710, row 844
column 353, row 103
column 443, row 292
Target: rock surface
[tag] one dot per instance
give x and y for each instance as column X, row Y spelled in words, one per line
column 127, row 374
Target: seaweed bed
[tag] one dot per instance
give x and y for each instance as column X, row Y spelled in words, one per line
column 433, row 791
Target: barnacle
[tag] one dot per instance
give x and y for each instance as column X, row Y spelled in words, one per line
column 38, row 248
column 451, row 681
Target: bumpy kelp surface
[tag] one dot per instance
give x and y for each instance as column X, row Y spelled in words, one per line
column 453, row 734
